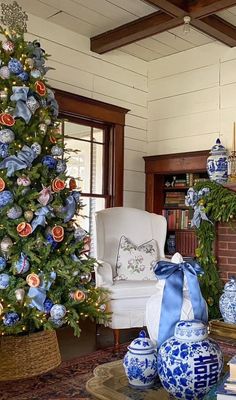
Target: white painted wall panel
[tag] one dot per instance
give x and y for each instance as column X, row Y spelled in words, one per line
column 116, row 78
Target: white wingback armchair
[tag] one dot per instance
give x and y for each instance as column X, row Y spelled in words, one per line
column 128, row 297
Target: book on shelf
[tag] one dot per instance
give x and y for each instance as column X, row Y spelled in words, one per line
column 177, row 219
column 232, row 369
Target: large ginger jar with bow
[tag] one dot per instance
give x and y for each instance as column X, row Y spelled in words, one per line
column 228, row 302
column 217, row 163
column 140, row 362
column 189, row 363
column 178, row 296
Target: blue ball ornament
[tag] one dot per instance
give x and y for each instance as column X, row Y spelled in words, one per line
column 4, row 150
column 58, row 311
column 61, row 167
column 56, row 322
column 57, row 151
column 24, row 76
column 22, row 265
column 51, row 241
column 4, row 281
column 3, row 263
column 49, row 161
column 14, row 212
column 6, row 197
column 47, row 305
column 35, row 73
column 15, row 66
column 6, row 136
column 10, row 318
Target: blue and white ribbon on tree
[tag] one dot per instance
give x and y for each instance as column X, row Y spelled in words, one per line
column 41, row 215
column 23, row 159
column 173, row 293
column 38, row 295
column 71, row 205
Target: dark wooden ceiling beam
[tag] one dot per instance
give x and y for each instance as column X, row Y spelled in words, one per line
column 217, row 28
column 202, row 8
column 133, row 31
column 176, row 8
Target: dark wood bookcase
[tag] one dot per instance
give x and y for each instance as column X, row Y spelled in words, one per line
column 174, row 173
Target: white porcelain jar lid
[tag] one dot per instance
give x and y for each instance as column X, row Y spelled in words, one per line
column 230, row 286
column 218, row 148
column 191, row 331
column 142, row 344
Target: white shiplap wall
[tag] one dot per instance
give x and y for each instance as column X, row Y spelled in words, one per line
column 116, row 78
column 192, row 99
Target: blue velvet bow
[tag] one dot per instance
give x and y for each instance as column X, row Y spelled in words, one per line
column 41, row 216
column 71, row 205
column 38, row 294
column 172, row 299
column 24, row 159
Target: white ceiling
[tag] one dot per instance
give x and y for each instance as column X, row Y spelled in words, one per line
column 91, row 17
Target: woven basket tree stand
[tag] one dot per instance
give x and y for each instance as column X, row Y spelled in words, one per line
column 30, row 355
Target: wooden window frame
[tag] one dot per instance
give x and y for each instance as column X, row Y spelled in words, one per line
column 81, row 109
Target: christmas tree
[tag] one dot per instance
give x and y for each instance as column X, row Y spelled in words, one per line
column 45, row 275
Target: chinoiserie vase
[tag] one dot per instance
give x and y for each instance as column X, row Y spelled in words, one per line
column 171, row 244
column 217, row 163
column 140, row 362
column 228, row 302
column 189, row 363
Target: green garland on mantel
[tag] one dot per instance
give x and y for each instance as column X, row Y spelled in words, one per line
column 220, row 206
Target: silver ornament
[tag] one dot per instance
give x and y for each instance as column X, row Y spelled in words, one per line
column 3, row 95
column 32, row 104
column 20, row 294
column 36, row 147
column 14, row 212
column 35, row 73
column 4, row 72
column 5, row 246
column 57, row 151
column 43, row 128
column 6, row 136
column 28, row 215
column 85, row 277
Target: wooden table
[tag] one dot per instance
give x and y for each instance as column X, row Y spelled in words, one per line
column 110, row 383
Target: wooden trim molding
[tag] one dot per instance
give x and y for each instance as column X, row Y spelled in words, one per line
column 78, row 108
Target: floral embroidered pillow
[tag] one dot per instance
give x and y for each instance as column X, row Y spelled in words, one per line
column 136, row 262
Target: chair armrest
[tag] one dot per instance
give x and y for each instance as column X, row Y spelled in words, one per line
column 103, row 274
column 165, row 259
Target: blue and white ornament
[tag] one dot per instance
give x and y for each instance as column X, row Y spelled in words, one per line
column 22, row 265
column 35, row 73
column 6, row 197
column 6, row 136
column 58, row 311
column 32, row 104
column 24, row 76
column 4, row 281
column 4, row 72
column 57, row 151
column 57, row 323
column 11, row 318
column 36, row 147
column 15, row 66
column 49, row 161
column 3, row 263
column 61, row 167
column 14, row 212
column 4, row 150
column 79, row 234
column 47, row 305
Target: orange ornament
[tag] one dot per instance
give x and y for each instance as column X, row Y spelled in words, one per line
column 72, row 183
column 52, row 139
column 79, row 295
column 58, row 185
column 2, row 184
column 7, row 119
column 40, row 88
column 58, row 233
column 33, row 280
column 24, row 229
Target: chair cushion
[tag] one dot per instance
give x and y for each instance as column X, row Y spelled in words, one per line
column 136, row 262
column 132, row 289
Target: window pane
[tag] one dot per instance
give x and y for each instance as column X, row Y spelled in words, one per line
column 77, row 131
column 91, row 205
column 98, row 135
column 78, row 165
column 97, row 172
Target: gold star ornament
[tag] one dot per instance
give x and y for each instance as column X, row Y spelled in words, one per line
column 14, row 18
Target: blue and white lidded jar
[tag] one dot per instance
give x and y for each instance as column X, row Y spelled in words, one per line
column 140, row 362
column 228, row 302
column 189, row 363
column 217, row 163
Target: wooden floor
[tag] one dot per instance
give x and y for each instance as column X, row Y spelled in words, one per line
column 92, row 338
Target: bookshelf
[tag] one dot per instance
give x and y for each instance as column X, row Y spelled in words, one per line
column 168, row 178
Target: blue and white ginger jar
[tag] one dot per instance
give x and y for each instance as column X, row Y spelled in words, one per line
column 140, row 362
column 228, row 302
column 217, row 163
column 189, row 363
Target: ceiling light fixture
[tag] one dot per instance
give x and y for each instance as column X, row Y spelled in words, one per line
column 187, row 20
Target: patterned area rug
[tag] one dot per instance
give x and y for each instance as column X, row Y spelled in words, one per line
column 66, row 382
